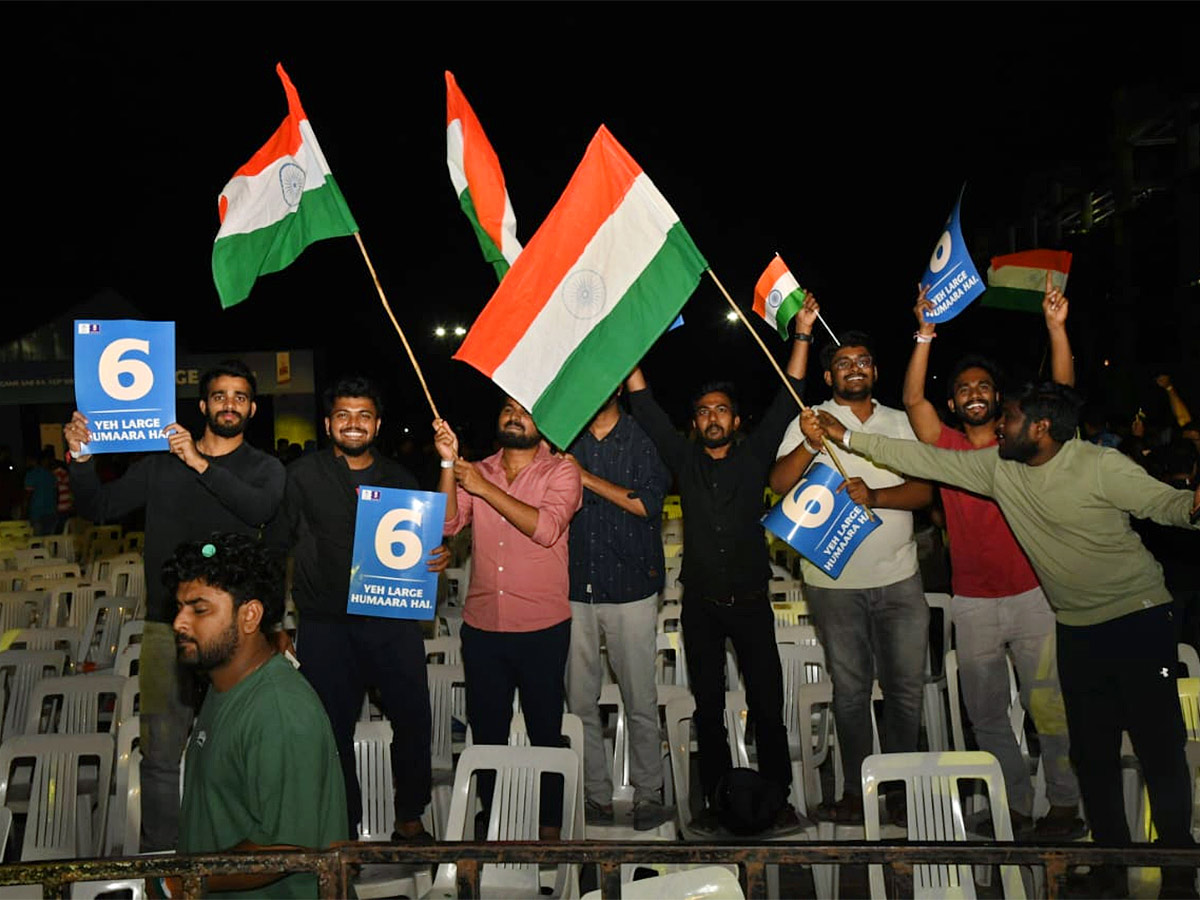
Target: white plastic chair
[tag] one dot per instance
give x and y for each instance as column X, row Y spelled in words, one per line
column 24, row 669
column 102, row 631
column 54, row 570
column 122, row 832
column 64, row 639
column 443, row 650
column 22, row 609
column 936, row 736
column 935, row 813
column 1190, row 660
column 75, row 704
column 57, row 826
column 447, row 702
column 129, row 661
column 31, row 556
column 670, row 664
column 373, row 760
column 514, row 816
column 699, row 883
column 70, row 602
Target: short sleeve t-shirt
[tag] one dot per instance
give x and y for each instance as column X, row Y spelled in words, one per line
column 262, row 766
column 985, row 558
column 889, row 553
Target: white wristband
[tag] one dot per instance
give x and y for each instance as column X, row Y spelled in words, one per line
column 810, row 448
column 447, row 464
column 846, row 438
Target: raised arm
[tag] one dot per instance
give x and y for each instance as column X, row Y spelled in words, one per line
column 672, row 446
column 1179, row 409
column 1054, row 308
column 445, row 441
column 921, row 413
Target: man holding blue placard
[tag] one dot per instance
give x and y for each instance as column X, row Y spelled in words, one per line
column 342, row 654
column 516, row 629
column 871, row 619
column 999, row 607
column 726, row 567
column 218, row 483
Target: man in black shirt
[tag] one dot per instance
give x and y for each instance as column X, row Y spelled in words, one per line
column 218, row 483
column 343, row 654
column 616, row 565
column 725, row 563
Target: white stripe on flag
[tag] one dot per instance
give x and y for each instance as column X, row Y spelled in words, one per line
column 454, row 156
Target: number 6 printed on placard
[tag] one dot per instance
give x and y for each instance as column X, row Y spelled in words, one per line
column 113, row 366
column 388, row 533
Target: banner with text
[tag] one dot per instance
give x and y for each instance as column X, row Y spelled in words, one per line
column 125, row 383
column 394, row 532
column 823, row 526
column 952, row 278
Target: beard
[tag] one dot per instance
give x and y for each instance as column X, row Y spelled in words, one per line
column 1020, row 449
column 226, row 430
column 517, row 440
column 211, row 655
column 352, row 449
column 988, row 414
column 861, row 390
column 719, row 438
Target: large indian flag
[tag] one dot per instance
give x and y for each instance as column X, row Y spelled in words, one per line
column 479, row 182
column 1018, row 280
column 604, row 276
column 275, row 205
column 778, row 296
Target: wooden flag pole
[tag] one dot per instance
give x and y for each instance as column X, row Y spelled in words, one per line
column 399, row 330
column 791, row 390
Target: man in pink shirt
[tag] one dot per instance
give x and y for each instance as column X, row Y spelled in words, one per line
column 516, row 630
column 998, row 606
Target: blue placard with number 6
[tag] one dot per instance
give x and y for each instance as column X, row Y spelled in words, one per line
column 821, row 524
column 394, row 532
column 951, row 277
column 125, row 383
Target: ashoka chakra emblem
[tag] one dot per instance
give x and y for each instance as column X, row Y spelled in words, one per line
column 583, row 294
column 291, row 180
column 774, row 299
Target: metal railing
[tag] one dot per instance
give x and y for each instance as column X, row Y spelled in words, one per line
column 335, row 867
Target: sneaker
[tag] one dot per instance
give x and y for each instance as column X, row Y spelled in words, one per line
column 597, row 813
column 847, row 811
column 1059, row 825
column 789, row 822
column 649, row 814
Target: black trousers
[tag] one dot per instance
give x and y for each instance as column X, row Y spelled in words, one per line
column 341, row 660
column 496, row 665
column 749, row 624
column 1120, row 675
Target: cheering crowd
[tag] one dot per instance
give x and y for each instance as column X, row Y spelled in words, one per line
column 567, row 555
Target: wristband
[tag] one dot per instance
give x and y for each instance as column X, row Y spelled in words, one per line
column 810, row 448
column 846, row 438
column 802, row 337
column 447, row 463
column 924, row 338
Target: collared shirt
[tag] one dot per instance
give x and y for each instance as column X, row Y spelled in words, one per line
column 520, row 583
column 722, row 499
column 889, row 553
column 616, row 556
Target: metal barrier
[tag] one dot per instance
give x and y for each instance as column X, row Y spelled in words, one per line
column 334, row 867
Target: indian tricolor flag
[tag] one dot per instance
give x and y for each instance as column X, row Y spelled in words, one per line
column 275, row 205
column 603, row 277
column 1018, row 280
column 479, row 182
column 778, row 296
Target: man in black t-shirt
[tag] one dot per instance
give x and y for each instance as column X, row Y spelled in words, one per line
column 216, row 483
column 343, row 654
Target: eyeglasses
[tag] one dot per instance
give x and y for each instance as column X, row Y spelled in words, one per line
column 845, row 364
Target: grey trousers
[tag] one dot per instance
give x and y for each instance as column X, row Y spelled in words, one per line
column 984, row 628
column 628, row 630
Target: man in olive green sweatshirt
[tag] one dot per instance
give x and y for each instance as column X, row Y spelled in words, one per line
column 1068, row 502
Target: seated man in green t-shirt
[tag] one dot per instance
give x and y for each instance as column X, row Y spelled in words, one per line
column 262, row 770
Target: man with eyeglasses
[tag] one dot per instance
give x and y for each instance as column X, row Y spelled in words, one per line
column 872, row 620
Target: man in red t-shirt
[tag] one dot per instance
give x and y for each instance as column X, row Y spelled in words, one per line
column 998, row 607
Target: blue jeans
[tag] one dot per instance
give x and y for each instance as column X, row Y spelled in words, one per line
column 166, row 719
column 873, row 633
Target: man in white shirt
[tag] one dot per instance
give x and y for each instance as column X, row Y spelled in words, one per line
column 872, row 620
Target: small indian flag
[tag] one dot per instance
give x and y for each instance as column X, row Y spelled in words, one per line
column 778, row 296
column 479, row 182
column 604, row 276
column 1018, row 280
column 275, row 205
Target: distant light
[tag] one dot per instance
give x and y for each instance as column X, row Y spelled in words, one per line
column 459, row 331
column 935, row 378
column 731, row 316
column 406, row 429
column 440, row 331
column 1106, row 362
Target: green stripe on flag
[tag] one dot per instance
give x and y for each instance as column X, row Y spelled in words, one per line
column 594, row 369
column 490, row 251
column 787, row 309
column 238, row 260
column 1011, row 298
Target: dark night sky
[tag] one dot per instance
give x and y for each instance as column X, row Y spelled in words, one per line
column 835, row 134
